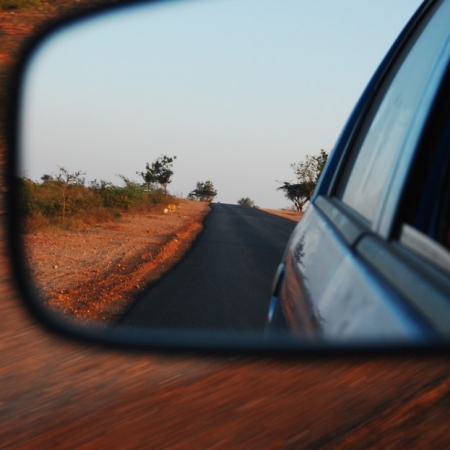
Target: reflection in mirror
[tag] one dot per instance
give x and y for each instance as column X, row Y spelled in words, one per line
column 143, row 129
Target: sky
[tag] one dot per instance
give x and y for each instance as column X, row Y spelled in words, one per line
column 238, row 90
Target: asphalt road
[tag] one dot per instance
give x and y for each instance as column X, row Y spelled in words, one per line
column 224, row 282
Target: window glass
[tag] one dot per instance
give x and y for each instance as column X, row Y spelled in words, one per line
column 401, row 110
column 432, row 205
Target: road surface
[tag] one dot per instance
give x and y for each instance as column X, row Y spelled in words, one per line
column 224, row 281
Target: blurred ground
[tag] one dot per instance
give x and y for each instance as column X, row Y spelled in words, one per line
column 71, row 395
column 62, row 394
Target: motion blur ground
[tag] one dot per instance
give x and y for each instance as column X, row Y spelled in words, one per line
column 70, row 395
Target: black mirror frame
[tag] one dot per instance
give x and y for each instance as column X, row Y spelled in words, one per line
column 145, row 339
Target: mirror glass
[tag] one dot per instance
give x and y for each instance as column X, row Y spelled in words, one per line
column 144, row 127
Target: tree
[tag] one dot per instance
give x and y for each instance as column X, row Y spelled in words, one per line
column 246, row 201
column 308, row 173
column 48, row 178
column 63, row 180
column 204, row 191
column 160, row 172
column 297, row 193
column 309, row 170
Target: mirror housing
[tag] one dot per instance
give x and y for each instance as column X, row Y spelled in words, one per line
column 167, row 338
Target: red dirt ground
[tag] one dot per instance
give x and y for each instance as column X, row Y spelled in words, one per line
column 94, row 274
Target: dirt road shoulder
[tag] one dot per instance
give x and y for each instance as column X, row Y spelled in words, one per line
column 93, row 274
column 291, row 215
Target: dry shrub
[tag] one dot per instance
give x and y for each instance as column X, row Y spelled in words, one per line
column 35, row 223
column 92, row 217
column 52, row 204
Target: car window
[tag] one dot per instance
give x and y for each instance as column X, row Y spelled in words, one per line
column 425, row 203
column 397, row 116
column 443, row 222
column 424, row 218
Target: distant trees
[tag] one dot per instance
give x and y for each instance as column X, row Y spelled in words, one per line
column 246, row 201
column 158, row 172
column 308, row 173
column 203, row 192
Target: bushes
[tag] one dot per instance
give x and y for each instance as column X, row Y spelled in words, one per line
column 246, row 201
column 52, row 205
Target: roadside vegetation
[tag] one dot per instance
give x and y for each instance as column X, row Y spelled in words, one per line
column 64, row 201
column 204, row 192
column 246, row 201
column 308, row 172
column 158, row 172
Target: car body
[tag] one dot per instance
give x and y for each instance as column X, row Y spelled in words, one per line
column 369, row 260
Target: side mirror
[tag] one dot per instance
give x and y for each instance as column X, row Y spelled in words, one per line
column 136, row 131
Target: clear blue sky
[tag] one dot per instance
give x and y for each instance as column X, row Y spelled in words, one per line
column 236, row 89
